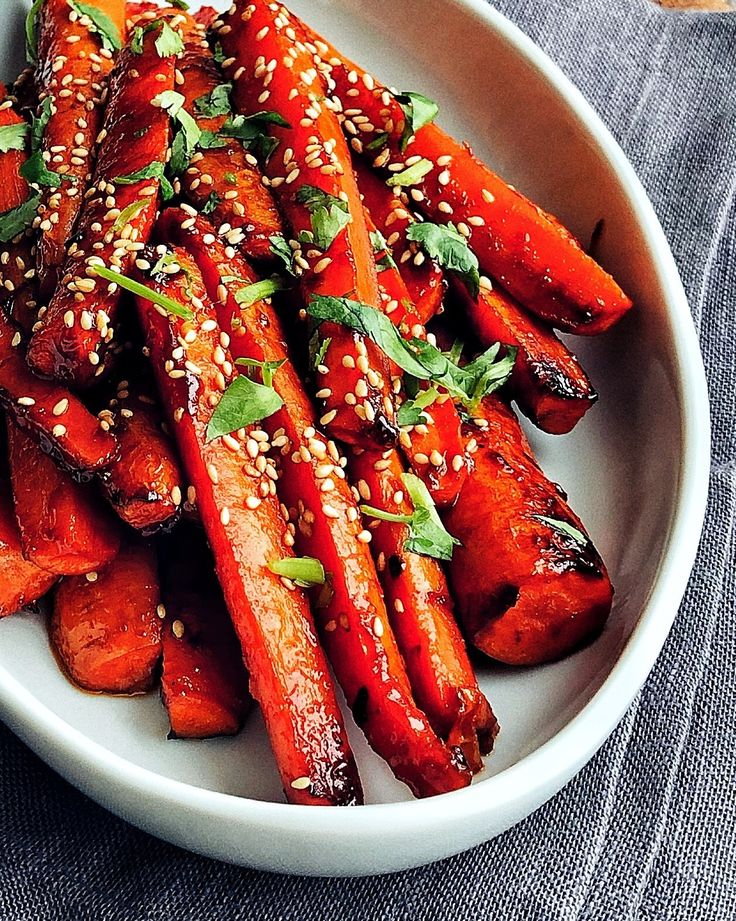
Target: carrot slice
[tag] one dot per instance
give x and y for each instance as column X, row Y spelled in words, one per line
column 144, row 483
column 313, row 161
column 528, row 582
column 420, row 610
column 104, row 625
column 424, row 279
column 325, row 523
column 63, row 526
column 73, row 66
column 56, row 418
column 21, row 581
column 548, row 382
column 526, row 249
column 204, row 684
column 72, row 344
column 247, row 532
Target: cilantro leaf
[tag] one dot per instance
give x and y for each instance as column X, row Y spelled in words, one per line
column 412, row 175
column 449, row 248
column 169, row 42
column 318, row 349
column 218, row 54
column 243, row 403
column 418, row 111
column 259, row 290
column 136, row 287
column 16, row 220
column 13, row 137
column 268, row 368
column 213, row 200
column 329, row 215
column 32, row 30
column 154, row 170
column 565, row 528
column 382, row 249
column 100, row 24
column 281, row 249
column 304, row 571
column 216, row 102
column 427, row 535
column 129, row 213
column 136, row 39
column 252, row 132
column 35, row 172
column 187, row 133
column 410, row 411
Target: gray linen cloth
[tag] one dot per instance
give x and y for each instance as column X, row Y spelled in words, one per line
column 646, row 831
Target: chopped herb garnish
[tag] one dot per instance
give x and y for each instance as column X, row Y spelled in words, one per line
column 379, row 141
column 216, row 102
column 13, row 137
column 180, row 5
column 381, row 247
column 412, row 175
column 153, row 170
column 318, row 349
column 252, row 132
column 329, row 215
column 136, row 39
column 267, row 368
column 304, row 571
column 129, row 213
column 32, row 30
column 169, row 42
column 16, row 220
column 35, row 170
column 410, row 411
column 208, row 140
column 100, row 24
column 187, row 132
column 281, row 249
column 136, row 287
column 427, row 534
column 213, row 200
column 218, row 54
column 418, row 111
column 565, row 528
column 243, row 403
column 417, row 357
column 230, row 178
column 449, row 248
column 259, row 290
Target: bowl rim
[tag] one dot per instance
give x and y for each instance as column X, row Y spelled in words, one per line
column 543, row 771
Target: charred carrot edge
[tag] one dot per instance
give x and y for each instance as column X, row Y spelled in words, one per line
column 72, row 344
column 325, row 523
column 420, row 611
column 73, row 67
column 145, row 484
column 526, row 249
column 21, row 582
column 104, row 625
column 548, row 383
column 17, row 256
column 204, row 684
column 63, row 527
column 246, row 530
column 312, row 152
column 424, row 279
column 527, row 588
column 57, row 419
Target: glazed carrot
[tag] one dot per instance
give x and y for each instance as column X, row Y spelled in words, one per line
column 17, row 240
column 247, row 532
column 536, row 259
column 424, row 279
column 548, row 382
column 74, row 62
column 79, row 324
column 204, row 684
column 105, row 627
column 21, row 582
column 420, row 611
column 64, row 528
column 56, row 418
column 311, row 176
column 528, row 583
column 144, row 483
column 326, row 524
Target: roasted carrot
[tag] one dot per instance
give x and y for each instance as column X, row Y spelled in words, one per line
column 424, row 279
column 548, row 382
column 420, row 611
column 56, row 418
column 311, row 176
column 79, row 324
column 74, row 62
column 64, row 528
column 247, row 532
column 529, row 251
column 144, row 483
column 204, row 683
column 17, row 238
column 326, row 524
column 105, row 627
column 528, row 583
column 21, row 581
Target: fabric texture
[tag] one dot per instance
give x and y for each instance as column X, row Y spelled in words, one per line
column 646, row 831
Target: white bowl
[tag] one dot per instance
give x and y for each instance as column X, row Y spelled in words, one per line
column 636, row 470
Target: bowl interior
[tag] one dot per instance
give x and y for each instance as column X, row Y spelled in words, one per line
column 621, row 466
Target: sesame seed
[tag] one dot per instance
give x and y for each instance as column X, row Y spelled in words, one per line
column 175, row 495
column 212, row 473
column 225, row 516
column 328, row 417
column 378, row 627
column 26, row 401
column 91, row 576
column 488, row 197
column 252, row 502
column 301, row 783
column 365, row 537
column 161, row 611
column 177, row 628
